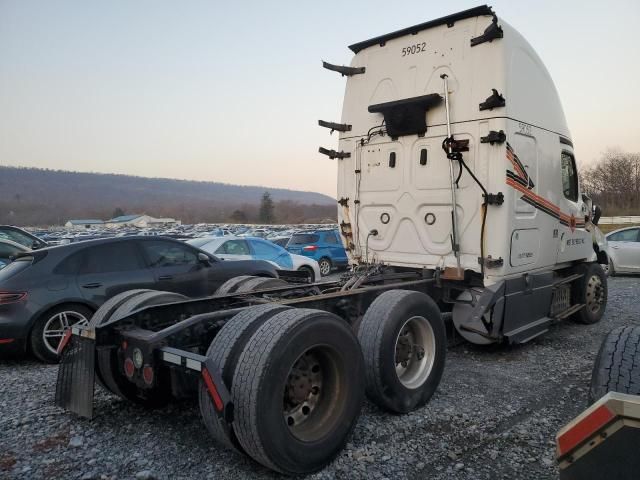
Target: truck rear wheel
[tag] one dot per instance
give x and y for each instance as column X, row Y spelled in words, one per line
column 103, row 314
column 108, row 365
column 260, row 283
column 231, row 285
column 590, row 290
column 404, row 343
column 615, row 369
column 297, row 390
column 225, row 349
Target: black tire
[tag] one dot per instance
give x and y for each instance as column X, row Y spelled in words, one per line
column 590, row 290
column 108, row 364
column 325, row 266
column 616, row 368
column 264, row 369
column 231, row 285
column 391, row 314
column 612, row 269
column 260, row 283
column 37, row 339
column 309, row 270
column 103, row 314
column 225, row 349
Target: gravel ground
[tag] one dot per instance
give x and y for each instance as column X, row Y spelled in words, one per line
column 494, row 416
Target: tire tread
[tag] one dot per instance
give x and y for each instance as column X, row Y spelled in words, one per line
column 220, row 349
column 617, row 365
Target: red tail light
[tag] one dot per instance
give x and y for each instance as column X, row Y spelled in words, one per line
column 12, row 297
column 147, row 374
column 310, row 248
column 129, row 368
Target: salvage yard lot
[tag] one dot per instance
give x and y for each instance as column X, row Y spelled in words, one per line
column 494, row 415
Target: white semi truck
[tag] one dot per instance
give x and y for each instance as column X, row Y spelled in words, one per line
column 458, row 192
column 455, row 157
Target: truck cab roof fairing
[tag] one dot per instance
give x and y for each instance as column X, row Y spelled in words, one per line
column 449, row 20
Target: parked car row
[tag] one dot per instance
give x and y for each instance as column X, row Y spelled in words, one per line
column 319, row 243
column 59, row 236
column 46, row 291
column 252, row 248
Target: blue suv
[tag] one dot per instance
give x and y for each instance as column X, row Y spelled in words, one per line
column 324, row 246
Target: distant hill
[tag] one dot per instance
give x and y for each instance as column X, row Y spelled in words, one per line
column 31, row 196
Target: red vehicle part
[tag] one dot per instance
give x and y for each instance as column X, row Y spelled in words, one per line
column 602, row 441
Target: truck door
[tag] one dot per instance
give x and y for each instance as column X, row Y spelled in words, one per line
column 574, row 240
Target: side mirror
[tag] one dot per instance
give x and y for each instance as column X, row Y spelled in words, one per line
column 597, row 213
column 204, row 259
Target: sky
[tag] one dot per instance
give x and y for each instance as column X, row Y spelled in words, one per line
column 232, row 91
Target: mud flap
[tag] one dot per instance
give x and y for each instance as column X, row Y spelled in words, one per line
column 76, row 374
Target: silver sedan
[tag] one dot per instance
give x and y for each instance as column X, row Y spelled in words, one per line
column 624, row 250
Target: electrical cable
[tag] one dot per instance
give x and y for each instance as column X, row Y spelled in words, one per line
column 458, row 156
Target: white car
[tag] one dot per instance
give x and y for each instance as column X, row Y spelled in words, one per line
column 623, row 250
column 253, row 248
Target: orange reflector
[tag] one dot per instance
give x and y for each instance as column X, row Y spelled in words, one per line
column 213, row 391
column 65, row 339
column 582, row 430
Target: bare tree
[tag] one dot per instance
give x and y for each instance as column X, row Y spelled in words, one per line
column 614, row 182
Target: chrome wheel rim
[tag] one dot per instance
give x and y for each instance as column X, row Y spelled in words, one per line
column 415, row 352
column 58, row 324
column 325, row 267
column 594, row 294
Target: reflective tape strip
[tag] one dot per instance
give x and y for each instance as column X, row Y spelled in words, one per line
column 171, row 358
column 213, row 391
column 194, row 365
column 584, row 429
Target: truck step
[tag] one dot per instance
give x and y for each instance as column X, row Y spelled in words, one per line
column 569, row 311
column 529, row 331
column 565, row 280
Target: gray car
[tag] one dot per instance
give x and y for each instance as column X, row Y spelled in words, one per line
column 624, row 250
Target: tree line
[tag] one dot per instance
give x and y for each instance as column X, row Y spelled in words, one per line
column 37, row 197
column 613, row 182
